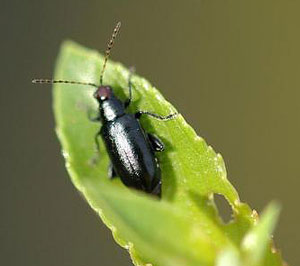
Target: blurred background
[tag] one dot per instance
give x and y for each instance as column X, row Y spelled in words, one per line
column 230, row 67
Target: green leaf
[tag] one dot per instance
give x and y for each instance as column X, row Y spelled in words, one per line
column 228, row 257
column 257, row 240
column 184, row 227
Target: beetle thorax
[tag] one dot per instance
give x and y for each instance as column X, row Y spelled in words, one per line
column 110, row 106
column 111, row 109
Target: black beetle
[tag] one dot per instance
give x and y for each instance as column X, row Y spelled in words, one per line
column 130, row 149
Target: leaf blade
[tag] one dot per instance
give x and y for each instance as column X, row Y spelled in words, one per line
column 191, row 172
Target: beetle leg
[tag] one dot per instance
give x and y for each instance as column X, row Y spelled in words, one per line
column 128, row 101
column 97, row 141
column 159, row 117
column 111, row 171
column 93, row 118
column 156, row 143
column 96, row 157
column 157, row 189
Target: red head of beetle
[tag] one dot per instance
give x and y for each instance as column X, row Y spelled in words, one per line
column 103, row 93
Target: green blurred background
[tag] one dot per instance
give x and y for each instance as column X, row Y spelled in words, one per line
column 230, row 67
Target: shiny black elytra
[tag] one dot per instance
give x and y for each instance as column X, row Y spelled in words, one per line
column 131, row 150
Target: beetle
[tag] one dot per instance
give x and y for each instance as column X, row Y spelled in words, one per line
column 130, row 148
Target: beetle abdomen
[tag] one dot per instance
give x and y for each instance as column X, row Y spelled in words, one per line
column 130, row 153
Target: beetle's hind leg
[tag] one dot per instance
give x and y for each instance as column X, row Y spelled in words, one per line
column 156, row 144
column 157, row 189
column 111, row 171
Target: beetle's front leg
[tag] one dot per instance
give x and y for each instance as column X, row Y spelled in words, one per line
column 94, row 160
column 128, row 101
column 93, row 118
column 97, row 141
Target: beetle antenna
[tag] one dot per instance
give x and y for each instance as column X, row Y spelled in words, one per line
column 63, row 81
column 110, row 45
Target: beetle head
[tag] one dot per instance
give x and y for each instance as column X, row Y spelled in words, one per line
column 103, row 93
